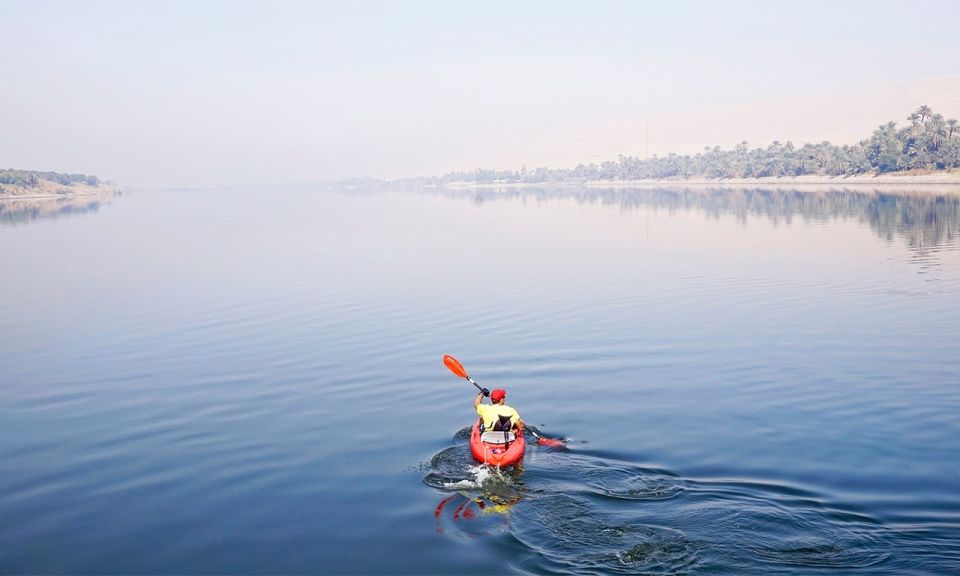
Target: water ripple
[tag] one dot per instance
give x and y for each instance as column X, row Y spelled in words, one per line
column 563, row 532
column 609, row 477
column 783, row 525
column 627, row 482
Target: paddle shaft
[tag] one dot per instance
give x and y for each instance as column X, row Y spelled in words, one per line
column 474, row 382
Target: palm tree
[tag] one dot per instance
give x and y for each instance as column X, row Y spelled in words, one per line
column 937, row 132
column 885, row 148
column 952, row 127
column 915, row 124
column 924, row 112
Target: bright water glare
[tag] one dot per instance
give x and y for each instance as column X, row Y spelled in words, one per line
column 749, row 382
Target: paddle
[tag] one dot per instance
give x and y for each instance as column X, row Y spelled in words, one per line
column 457, row 368
column 546, row 441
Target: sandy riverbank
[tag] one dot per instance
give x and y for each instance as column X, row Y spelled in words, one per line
column 47, row 189
column 23, row 209
column 20, row 204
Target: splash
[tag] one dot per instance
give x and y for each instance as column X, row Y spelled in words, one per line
column 477, row 476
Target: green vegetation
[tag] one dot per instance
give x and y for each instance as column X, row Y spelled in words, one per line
column 929, row 142
column 32, row 178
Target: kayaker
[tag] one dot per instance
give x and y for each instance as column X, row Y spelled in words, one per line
column 497, row 416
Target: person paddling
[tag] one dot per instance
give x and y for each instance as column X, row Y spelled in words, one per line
column 497, row 416
column 457, row 368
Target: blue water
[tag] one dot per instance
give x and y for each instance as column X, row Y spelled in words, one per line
column 250, row 381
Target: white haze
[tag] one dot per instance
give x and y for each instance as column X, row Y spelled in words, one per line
column 208, row 94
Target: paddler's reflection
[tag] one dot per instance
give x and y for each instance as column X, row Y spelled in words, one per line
column 463, row 506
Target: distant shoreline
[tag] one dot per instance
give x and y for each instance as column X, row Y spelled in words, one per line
column 50, row 191
column 941, row 182
column 35, row 184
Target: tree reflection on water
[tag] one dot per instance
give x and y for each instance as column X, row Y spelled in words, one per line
column 14, row 211
column 923, row 220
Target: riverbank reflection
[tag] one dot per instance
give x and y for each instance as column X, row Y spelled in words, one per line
column 925, row 221
column 18, row 211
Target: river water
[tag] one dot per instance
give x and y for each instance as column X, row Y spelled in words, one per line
column 250, row 381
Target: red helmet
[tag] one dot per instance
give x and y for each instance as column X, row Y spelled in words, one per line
column 498, row 395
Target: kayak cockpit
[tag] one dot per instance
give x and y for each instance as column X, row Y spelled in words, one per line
column 497, row 437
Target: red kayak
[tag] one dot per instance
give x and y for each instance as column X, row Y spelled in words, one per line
column 496, row 448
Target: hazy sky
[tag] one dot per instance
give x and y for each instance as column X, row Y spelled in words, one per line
column 218, row 93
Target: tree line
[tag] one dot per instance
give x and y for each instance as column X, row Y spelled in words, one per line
column 30, row 178
column 928, row 142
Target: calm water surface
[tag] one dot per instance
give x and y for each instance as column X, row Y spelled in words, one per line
column 250, row 382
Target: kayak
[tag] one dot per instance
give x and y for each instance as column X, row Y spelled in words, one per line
column 493, row 448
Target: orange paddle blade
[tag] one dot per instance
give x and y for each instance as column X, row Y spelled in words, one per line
column 551, row 442
column 454, row 365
